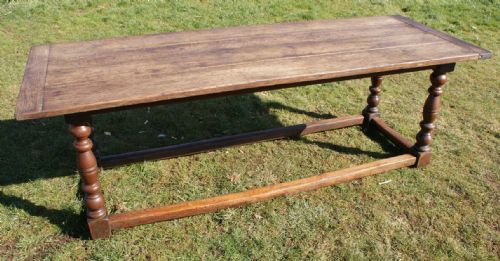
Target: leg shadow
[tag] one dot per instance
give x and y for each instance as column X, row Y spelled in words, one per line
column 31, row 150
column 386, row 144
column 69, row 222
column 179, row 123
column 277, row 105
column 389, row 148
column 345, row 150
column 42, row 149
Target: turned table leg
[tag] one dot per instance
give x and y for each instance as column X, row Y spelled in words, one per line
column 371, row 110
column 97, row 215
column 431, row 108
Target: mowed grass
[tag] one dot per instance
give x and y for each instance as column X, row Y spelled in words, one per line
column 448, row 210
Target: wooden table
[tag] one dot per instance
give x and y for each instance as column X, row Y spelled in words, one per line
column 83, row 78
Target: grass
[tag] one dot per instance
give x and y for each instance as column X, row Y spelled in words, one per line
column 448, row 210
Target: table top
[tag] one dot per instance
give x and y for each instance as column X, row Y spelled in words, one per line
column 96, row 75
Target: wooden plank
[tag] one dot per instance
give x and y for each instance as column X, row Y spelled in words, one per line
column 31, row 94
column 243, row 49
column 98, row 75
column 232, row 140
column 332, row 124
column 208, row 205
column 163, row 85
column 78, row 49
column 233, row 53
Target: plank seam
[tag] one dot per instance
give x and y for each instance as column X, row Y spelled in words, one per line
column 133, row 37
column 195, row 69
column 42, row 105
column 261, row 36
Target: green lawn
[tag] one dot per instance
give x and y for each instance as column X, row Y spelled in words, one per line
column 448, row 210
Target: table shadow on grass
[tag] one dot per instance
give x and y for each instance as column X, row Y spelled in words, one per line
column 389, row 149
column 41, row 149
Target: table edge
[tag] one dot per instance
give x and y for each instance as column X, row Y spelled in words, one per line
column 483, row 53
column 38, row 60
column 257, row 87
column 29, row 85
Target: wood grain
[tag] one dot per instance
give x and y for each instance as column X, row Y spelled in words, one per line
column 208, row 205
column 113, row 73
column 30, row 97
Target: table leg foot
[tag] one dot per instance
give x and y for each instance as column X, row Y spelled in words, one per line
column 423, row 159
column 99, row 228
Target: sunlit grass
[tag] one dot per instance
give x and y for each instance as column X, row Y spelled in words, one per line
column 448, row 210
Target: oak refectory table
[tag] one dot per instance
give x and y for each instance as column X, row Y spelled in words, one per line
column 84, row 78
